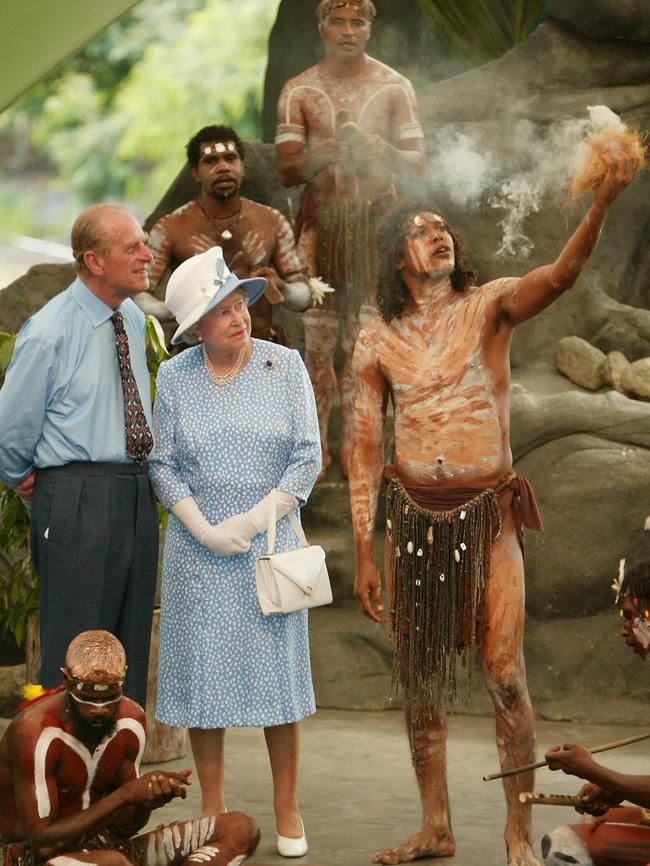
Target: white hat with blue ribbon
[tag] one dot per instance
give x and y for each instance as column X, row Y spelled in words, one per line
column 200, row 283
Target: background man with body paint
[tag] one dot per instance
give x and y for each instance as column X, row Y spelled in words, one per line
column 346, row 127
column 454, row 506
column 257, row 240
column 70, row 786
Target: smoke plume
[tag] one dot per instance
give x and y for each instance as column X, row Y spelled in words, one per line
column 531, row 166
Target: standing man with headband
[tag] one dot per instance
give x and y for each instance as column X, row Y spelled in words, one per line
column 70, row 783
column 346, row 127
column 454, row 506
column 75, row 433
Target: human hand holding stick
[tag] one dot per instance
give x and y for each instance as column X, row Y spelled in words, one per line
column 528, row 767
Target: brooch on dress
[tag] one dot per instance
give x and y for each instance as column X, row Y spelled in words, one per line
column 270, row 363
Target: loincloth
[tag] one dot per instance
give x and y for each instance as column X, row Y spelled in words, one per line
column 20, row 854
column 440, row 548
column 346, row 249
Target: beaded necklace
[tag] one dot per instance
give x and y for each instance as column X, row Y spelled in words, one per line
column 228, row 377
column 227, row 232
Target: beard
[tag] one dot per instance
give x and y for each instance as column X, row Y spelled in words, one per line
column 438, row 273
column 85, row 730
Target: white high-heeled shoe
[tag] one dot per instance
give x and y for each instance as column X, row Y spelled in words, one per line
column 289, row 847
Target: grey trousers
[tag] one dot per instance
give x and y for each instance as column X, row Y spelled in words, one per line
column 94, row 544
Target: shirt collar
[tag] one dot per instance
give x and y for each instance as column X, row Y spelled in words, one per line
column 95, row 309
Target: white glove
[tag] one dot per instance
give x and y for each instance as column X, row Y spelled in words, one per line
column 319, row 289
column 256, row 519
column 220, row 538
column 297, row 296
column 224, row 541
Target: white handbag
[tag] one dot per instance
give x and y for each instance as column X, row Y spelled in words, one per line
column 292, row 580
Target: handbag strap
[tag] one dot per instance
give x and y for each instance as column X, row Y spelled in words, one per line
column 270, row 531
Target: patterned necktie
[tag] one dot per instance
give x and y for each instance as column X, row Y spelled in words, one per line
column 139, row 440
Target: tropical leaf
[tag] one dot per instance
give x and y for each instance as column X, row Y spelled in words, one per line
column 481, row 30
column 6, row 350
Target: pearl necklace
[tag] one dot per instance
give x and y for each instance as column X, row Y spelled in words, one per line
column 227, row 379
column 226, row 233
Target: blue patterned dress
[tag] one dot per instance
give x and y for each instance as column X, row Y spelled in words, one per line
column 222, row 663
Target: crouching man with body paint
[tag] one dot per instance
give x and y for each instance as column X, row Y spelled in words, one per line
column 70, row 786
column 454, row 507
column 621, row 834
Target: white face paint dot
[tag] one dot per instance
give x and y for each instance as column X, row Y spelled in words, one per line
column 409, row 547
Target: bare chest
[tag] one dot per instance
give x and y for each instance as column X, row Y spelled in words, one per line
column 423, row 359
column 368, row 103
column 80, row 774
column 246, row 243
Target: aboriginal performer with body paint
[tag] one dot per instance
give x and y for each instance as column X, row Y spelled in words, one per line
column 256, row 240
column 70, row 786
column 346, row 127
column 454, row 567
column 621, row 835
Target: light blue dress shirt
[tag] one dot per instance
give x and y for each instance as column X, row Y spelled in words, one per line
column 62, row 398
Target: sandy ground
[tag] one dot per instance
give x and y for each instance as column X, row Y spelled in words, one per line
column 357, row 790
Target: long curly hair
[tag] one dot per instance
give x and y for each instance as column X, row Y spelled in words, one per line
column 392, row 291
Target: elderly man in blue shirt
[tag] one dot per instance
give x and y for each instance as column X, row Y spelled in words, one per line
column 75, row 433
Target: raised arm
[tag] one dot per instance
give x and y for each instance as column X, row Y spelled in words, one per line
column 576, row 760
column 366, row 469
column 539, row 288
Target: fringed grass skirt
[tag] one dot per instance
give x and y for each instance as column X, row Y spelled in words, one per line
column 440, row 561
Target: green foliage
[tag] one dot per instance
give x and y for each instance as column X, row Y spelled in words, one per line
column 154, row 340
column 481, row 30
column 18, row 580
column 211, row 72
column 7, row 342
column 115, row 119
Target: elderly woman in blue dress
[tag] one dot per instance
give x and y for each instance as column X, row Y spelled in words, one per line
column 235, row 425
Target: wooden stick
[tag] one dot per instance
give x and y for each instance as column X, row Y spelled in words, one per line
column 528, row 767
column 551, row 799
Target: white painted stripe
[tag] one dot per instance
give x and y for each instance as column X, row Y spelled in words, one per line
column 91, row 761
